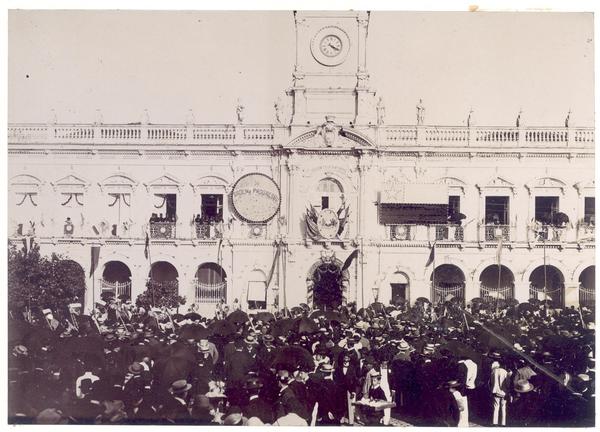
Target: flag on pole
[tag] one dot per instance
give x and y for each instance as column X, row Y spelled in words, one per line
column 431, row 256
column 219, row 256
column 349, row 260
column 274, row 265
column 499, row 251
column 95, row 258
column 147, row 247
column 25, row 245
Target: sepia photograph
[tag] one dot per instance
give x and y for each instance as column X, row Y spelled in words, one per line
column 300, row 218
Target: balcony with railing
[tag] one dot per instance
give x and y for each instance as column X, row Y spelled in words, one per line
column 208, row 230
column 430, row 233
column 492, row 232
column 224, row 134
column 586, row 232
column 482, row 136
column 139, row 134
column 163, row 230
column 119, row 289
column 209, row 293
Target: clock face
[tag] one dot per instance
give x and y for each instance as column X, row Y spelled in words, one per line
column 331, row 46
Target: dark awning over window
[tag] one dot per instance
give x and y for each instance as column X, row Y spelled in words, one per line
column 423, row 214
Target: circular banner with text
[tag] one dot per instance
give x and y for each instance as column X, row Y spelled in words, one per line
column 256, row 198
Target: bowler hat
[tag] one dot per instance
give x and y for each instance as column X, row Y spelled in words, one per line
column 253, row 383
column 136, row 368
column 180, row 386
column 523, row 386
column 326, row 368
column 204, row 346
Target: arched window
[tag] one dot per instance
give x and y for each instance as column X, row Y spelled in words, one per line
column 116, row 278
column 330, row 193
column 210, row 283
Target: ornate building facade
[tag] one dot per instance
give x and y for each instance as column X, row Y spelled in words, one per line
column 327, row 205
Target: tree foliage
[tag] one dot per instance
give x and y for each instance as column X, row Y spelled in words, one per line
column 38, row 282
column 160, row 294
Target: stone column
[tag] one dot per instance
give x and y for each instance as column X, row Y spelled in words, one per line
column 571, row 294
column 521, row 290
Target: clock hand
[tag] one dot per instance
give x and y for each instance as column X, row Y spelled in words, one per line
column 334, row 47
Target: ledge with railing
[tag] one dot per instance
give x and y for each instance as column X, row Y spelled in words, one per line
column 586, row 232
column 208, row 230
column 413, row 232
column 492, row 232
column 139, row 134
column 482, row 136
column 163, row 230
column 177, row 134
column 117, row 288
column 546, row 233
column 209, row 293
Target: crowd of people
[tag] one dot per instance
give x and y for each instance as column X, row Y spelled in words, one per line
column 511, row 364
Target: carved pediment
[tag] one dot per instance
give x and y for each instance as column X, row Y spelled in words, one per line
column 589, row 185
column 209, row 181
column 118, row 181
column 166, row 182
column 25, row 184
column 496, row 183
column 453, row 182
column 499, row 182
column 332, row 135
column 70, row 182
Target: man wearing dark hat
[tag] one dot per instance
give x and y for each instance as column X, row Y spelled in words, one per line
column 304, row 393
column 525, row 405
column 286, row 401
column 256, row 406
column 175, row 409
column 237, row 366
column 134, row 381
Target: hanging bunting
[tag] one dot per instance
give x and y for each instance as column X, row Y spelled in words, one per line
column 164, row 200
column 116, row 197
column 25, row 196
column 70, row 196
column 77, row 196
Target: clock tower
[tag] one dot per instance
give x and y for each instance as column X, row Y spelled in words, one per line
column 330, row 74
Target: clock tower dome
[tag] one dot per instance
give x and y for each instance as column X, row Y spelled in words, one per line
column 330, row 74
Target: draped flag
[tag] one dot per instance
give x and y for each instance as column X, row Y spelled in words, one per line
column 274, row 265
column 147, row 247
column 25, row 245
column 431, row 258
column 219, row 253
column 499, row 251
column 95, row 258
column 349, row 260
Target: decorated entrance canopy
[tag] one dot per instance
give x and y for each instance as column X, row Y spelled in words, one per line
column 256, row 198
column 420, row 203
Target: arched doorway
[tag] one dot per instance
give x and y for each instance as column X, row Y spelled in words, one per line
column 210, row 283
column 116, row 279
column 587, row 287
column 447, row 281
column 494, row 289
column 165, row 274
column 327, row 284
column 554, row 287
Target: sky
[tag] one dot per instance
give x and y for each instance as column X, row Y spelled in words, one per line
column 122, row 62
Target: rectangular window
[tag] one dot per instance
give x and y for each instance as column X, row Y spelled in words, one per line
column 590, row 210
column 546, row 208
column 171, row 203
column 257, row 295
column 496, row 210
column 453, row 205
column 324, row 202
column 398, row 293
column 212, row 207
